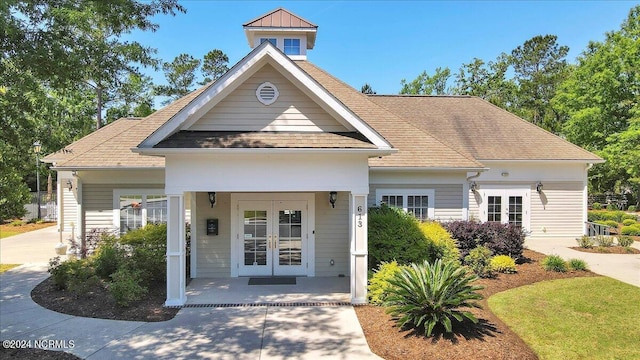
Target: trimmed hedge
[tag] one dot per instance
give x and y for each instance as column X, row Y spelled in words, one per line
column 501, row 239
column 603, row 215
column 632, row 230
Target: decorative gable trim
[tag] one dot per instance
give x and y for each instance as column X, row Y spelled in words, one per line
column 246, row 67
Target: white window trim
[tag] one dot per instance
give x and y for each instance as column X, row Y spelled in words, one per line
column 142, row 192
column 431, row 193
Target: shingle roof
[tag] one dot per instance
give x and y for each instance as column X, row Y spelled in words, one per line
column 416, row 147
column 481, row 129
column 111, row 145
column 265, row 139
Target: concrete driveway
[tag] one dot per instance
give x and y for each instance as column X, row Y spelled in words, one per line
column 31, row 247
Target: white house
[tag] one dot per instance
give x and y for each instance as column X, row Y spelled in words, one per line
column 275, row 163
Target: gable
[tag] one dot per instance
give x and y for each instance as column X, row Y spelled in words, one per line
column 293, row 110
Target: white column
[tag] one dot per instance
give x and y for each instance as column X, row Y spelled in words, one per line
column 176, row 271
column 358, row 227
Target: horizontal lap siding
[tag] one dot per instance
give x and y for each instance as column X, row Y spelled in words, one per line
column 97, row 203
column 213, row 252
column 558, row 210
column 292, row 111
column 69, row 208
column 332, row 235
column 448, row 198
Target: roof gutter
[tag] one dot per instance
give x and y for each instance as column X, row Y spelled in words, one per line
column 177, row 151
column 418, row 168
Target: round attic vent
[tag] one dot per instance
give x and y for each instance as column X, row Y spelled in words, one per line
column 267, row 93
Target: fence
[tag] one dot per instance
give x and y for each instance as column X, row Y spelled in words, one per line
column 48, row 207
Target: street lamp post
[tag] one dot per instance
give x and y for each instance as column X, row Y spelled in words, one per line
column 36, row 148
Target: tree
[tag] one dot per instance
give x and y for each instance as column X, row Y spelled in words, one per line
column 367, row 89
column 181, row 76
column 426, row 84
column 214, row 66
column 539, row 67
column 487, row 81
column 601, row 98
column 134, row 98
column 55, row 57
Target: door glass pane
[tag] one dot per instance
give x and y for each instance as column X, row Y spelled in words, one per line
column 290, row 237
column 255, row 237
column 515, row 210
column 130, row 212
column 494, row 209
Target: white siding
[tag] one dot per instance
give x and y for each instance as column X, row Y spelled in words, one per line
column 292, row 111
column 557, row 211
column 97, row 207
column 213, row 252
column 448, row 198
column 69, row 211
column 332, row 235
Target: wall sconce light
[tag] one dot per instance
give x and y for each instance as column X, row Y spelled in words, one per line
column 212, row 198
column 333, row 196
column 473, row 186
column 69, row 184
column 539, row 187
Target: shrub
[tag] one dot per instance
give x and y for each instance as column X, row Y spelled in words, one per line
column 578, row 264
column 479, row 261
column 444, row 247
column 625, row 241
column 554, row 263
column 502, row 239
column 108, row 258
column 585, row 242
column 73, row 275
column 604, row 240
column 379, row 282
column 631, row 230
column 616, row 216
column 125, row 286
column 611, row 223
column 629, row 217
column 632, row 208
column 596, row 206
column 627, row 222
column 429, row 294
column 148, row 248
column 503, row 264
column 612, row 206
column 16, row 222
column 396, row 235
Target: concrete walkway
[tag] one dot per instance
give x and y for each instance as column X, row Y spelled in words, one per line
column 31, row 247
column 264, row 332
column 623, row 267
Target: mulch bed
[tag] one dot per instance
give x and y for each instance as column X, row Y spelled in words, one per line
column 98, row 303
column 489, row 339
column 608, row 250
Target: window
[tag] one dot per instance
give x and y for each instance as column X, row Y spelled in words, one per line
column 136, row 208
column 292, row 46
column 273, row 41
column 419, row 202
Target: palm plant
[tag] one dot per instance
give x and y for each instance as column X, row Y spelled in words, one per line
column 427, row 294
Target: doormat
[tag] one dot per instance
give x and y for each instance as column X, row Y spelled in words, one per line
column 272, row 281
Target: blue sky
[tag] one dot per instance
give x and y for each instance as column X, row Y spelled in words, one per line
column 382, row 42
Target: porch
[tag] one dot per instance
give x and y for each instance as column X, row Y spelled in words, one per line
column 235, row 291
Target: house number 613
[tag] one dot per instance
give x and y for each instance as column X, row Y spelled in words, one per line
column 359, row 216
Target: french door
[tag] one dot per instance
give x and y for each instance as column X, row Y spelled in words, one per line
column 507, row 206
column 272, row 237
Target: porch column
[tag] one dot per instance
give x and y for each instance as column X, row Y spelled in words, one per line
column 358, row 248
column 176, row 271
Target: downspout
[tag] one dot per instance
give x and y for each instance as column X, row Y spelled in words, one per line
column 585, row 198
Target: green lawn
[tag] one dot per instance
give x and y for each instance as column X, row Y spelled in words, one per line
column 5, row 267
column 578, row 318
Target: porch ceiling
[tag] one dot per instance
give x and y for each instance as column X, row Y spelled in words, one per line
column 264, row 139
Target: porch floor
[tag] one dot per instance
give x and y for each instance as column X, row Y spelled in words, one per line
column 218, row 291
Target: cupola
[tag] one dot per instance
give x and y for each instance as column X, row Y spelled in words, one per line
column 288, row 32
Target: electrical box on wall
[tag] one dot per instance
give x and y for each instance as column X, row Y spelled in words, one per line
column 212, row 226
